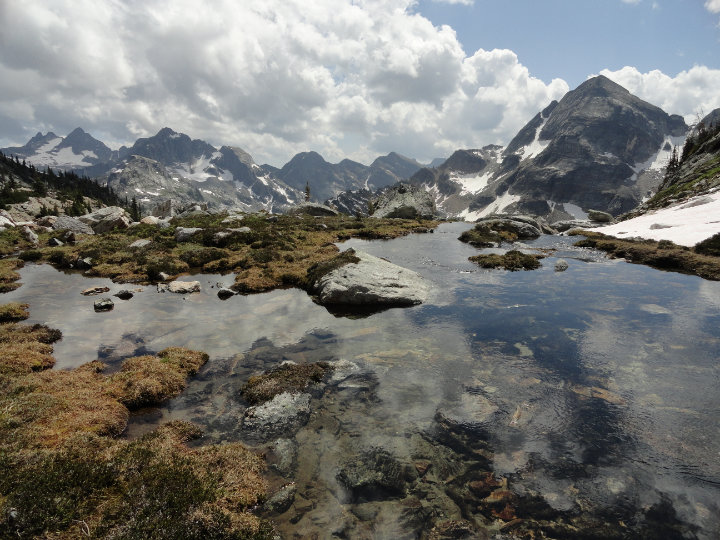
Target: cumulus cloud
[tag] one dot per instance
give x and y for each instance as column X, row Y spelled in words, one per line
column 345, row 78
column 713, row 6
column 691, row 93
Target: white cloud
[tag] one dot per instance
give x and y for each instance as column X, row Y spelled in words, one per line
column 690, row 93
column 345, row 78
column 713, row 6
column 462, row 2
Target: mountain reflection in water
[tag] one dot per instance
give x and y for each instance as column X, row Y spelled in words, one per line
column 593, row 392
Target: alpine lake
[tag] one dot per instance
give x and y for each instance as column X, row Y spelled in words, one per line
column 575, row 404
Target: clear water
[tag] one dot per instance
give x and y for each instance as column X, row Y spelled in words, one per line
column 595, row 388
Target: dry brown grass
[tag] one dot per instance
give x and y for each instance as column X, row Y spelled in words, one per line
column 24, row 349
column 8, row 275
column 284, row 378
column 149, row 380
column 14, row 312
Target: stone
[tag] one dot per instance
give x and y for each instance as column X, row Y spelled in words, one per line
column 282, row 499
column 599, row 216
column 181, row 287
column 54, row 242
column 141, row 243
column 404, row 201
column 70, row 237
column 29, row 235
column 524, row 227
column 84, row 264
column 106, row 219
column 6, row 220
column 224, row 293
column 312, row 209
column 374, row 474
column 46, row 221
column 282, row 416
column 370, row 282
column 285, row 451
column 184, row 234
column 566, row 225
column 561, row 265
column 104, row 304
column 124, row 294
column 92, row 291
column 150, row 220
column 71, row 224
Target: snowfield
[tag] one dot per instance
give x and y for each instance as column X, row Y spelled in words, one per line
column 686, row 224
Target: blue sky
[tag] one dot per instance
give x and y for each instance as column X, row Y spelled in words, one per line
column 347, row 78
column 572, row 39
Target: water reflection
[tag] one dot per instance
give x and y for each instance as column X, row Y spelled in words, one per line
column 595, row 388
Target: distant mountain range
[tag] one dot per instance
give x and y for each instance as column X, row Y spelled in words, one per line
column 600, row 148
column 171, row 165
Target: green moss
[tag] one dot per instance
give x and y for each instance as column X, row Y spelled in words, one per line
column 512, row 260
column 284, row 378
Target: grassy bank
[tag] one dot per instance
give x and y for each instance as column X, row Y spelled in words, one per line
column 702, row 260
column 263, row 253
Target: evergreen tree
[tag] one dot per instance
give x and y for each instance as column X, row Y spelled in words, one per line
column 307, row 191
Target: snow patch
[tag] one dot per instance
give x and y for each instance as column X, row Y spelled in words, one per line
column 686, row 224
column 470, row 183
column 537, row 146
column 498, row 206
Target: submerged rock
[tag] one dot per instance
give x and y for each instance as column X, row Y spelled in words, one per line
column 370, row 282
column 95, row 290
column 374, row 475
column 282, row 416
column 282, row 499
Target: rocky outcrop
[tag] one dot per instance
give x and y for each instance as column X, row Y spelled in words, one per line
column 370, row 282
column 184, row 234
column 599, row 216
column 180, row 287
column 403, row 201
column 312, row 209
column 106, row 219
column 71, row 224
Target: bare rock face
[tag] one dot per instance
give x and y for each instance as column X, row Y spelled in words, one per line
column 404, row 201
column 371, row 282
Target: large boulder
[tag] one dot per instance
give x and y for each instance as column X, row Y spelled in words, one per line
column 404, row 201
column 106, row 219
column 361, row 279
column 522, row 227
column 71, row 224
column 282, row 416
column 312, row 209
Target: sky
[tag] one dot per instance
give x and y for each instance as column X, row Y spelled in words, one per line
column 347, row 78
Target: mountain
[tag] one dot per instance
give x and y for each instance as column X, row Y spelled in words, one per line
column 600, row 148
column 326, row 180
column 75, row 152
column 170, row 165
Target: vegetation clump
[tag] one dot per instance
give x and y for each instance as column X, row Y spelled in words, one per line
column 703, row 260
column 287, row 377
column 8, row 275
column 13, row 312
column 512, row 260
column 482, row 236
column 65, row 475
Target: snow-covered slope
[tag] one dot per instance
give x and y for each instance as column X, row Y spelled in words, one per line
column 685, row 223
column 75, row 152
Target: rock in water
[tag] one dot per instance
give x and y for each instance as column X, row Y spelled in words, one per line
column 182, row 287
column 104, row 304
column 371, row 282
column 282, row 416
column 561, row 265
column 95, row 290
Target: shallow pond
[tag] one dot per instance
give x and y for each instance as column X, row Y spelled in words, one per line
column 593, row 391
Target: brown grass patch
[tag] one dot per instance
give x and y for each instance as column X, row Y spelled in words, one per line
column 24, row 349
column 14, row 312
column 8, row 275
column 512, row 260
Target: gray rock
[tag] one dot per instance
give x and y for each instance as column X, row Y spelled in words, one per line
column 184, row 234
column 124, row 294
column 404, row 201
column 181, row 287
column 150, row 220
column 371, row 282
column 599, row 217
column 103, row 304
column 469, row 410
column 29, row 235
column 84, row 264
column 524, row 227
column 313, row 209
column 93, row 291
column 71, row 224
column 282, row 499
column 561, row 265
column 566, row 225
column 282, row 416
column 54, row 242
column 141, row 243
column 374, row 474
column 106, row 219
column 285, row 453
